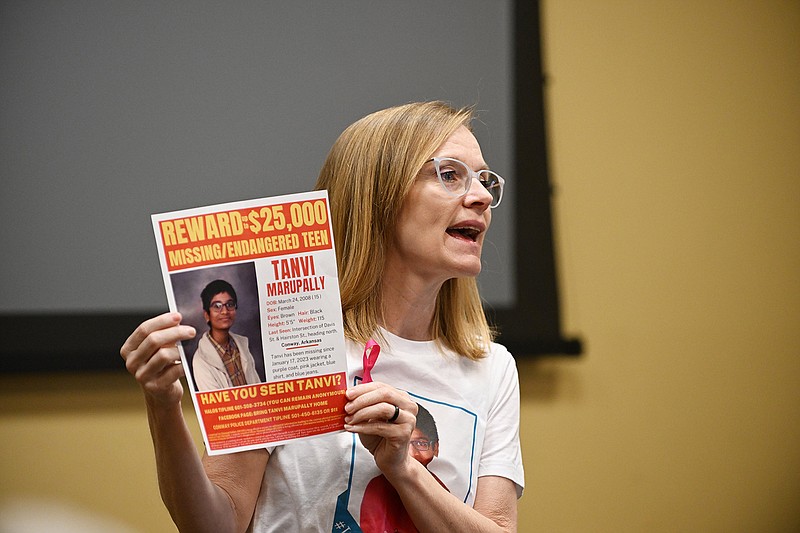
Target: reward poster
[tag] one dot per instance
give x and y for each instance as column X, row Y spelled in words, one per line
column 271, row 266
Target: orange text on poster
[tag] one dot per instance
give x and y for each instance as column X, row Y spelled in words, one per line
column 246, row 234
column 273, row 412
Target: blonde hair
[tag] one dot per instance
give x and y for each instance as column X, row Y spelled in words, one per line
column 368, row 174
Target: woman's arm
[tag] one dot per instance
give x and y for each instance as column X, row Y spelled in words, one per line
column 431, row 506
column 217, row 494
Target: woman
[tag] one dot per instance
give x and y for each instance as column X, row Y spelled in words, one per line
column 409, row 220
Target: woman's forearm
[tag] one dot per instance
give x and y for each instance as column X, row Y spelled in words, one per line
column 432, row 508
column 193, row 501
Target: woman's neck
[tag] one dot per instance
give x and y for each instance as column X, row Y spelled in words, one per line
column 408, row 306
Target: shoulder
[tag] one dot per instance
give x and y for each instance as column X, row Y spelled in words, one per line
column 240, row 339
column 203, row 345
column 496, row 356
column 500, row 354
column 501, row 357
column 499, row 367
column 204, row 356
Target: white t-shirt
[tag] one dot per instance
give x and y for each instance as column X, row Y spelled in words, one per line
column 317, row 484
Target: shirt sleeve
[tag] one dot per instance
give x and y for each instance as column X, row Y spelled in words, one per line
column 502, row 454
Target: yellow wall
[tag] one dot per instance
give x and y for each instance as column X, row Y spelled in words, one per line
column 675, row 149
column 674, row 130
column 76, row 448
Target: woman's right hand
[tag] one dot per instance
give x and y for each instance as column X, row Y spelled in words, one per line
column 151, row 356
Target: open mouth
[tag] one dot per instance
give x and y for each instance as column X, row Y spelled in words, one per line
column 464, row 233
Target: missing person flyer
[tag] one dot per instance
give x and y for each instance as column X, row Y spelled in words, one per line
column 258, row 281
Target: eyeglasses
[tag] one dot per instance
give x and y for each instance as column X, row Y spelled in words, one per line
column 230, row 305
column 422, row 445
column 456, row 178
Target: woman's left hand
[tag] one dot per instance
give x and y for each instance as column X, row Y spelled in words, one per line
column 369, row 409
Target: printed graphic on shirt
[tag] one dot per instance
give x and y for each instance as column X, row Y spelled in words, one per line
column 443, row 441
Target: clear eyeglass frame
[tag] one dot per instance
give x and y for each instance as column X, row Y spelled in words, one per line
column 456, row 178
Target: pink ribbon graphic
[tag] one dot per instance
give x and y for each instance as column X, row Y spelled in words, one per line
column 371, row 352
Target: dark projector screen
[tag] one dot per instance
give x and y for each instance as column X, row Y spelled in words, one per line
column 111, row 112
